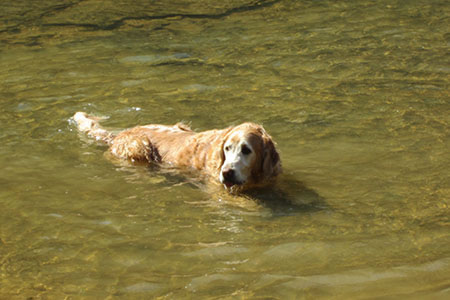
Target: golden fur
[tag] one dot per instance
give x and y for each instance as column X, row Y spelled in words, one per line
column 249, row 158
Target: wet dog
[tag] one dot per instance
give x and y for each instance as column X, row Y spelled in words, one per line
column 239, row 157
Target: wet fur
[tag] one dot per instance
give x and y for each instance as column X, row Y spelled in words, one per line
column 179, row 146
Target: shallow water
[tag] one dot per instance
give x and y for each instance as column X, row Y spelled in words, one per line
column 355, row 95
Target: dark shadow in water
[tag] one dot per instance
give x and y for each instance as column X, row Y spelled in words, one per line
column 288, row 196
column 122, row 19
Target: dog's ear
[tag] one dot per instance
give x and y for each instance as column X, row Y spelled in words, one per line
column 271, row 164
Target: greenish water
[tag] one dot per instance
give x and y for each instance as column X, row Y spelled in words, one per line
column 356, row 95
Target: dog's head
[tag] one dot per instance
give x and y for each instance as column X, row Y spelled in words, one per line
column 249, row 157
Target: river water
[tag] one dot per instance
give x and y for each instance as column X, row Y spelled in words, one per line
column 356, row 95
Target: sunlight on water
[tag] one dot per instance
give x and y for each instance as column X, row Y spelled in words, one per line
column 355, row 95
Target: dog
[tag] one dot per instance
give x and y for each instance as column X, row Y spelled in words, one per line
column 238, row 157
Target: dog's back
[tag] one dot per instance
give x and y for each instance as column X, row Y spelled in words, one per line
column 177, row 145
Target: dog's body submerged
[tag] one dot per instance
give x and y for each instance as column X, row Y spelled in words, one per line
column 238, row 157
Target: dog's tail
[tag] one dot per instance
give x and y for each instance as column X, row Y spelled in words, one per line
column 91, row 126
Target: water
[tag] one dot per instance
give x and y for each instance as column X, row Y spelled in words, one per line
column 355, row 94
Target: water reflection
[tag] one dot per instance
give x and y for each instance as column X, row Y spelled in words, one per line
column 286, row 196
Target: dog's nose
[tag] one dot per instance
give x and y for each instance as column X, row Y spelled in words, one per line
column 228, row 175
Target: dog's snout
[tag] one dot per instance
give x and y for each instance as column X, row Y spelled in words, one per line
column 229, row 175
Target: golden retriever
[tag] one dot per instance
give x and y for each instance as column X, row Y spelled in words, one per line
column 238, row 157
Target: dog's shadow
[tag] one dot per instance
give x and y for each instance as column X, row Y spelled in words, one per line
column 288, row 196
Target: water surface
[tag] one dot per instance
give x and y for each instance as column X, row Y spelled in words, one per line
column 355, row 95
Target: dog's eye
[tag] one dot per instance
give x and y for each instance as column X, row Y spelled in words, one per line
column 246, row 150
column 227, row 148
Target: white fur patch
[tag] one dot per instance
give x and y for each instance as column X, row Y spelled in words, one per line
column 237, row 158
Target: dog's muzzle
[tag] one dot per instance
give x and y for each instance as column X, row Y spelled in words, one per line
column 229, row 178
